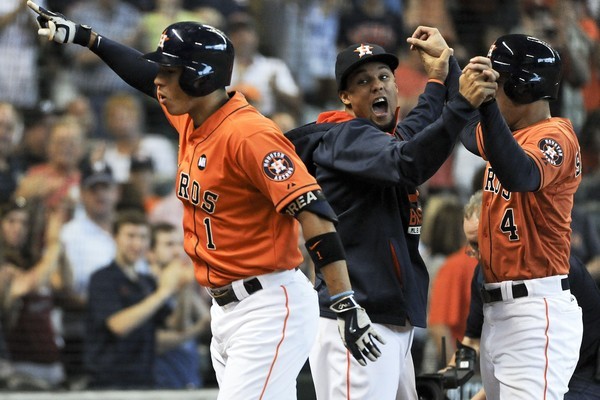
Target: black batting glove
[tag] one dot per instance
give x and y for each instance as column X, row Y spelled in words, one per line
column 356, row 330
column 58, row 28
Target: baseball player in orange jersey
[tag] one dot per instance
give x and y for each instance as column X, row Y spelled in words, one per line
column 241, row 185
column 532, row 324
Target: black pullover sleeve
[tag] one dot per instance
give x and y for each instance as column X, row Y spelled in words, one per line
column 128, row 63
column 515, row 170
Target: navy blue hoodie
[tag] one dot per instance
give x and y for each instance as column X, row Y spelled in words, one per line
column 370, row 178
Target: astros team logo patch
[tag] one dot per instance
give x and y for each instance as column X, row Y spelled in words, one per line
column 278, row 166
column 552, row 151
column 363, row 50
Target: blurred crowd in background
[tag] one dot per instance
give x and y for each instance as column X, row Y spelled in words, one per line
column 78, row 148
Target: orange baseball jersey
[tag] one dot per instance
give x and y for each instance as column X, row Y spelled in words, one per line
column 237, row 174
column 527, row 235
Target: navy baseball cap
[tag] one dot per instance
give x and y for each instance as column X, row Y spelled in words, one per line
column 357, row 54
column 95, row 173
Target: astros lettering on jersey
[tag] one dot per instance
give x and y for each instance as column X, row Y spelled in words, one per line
column 533, row 226
column 223, row 179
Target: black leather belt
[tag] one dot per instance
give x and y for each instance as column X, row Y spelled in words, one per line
column 225, row 295
column 518, row 290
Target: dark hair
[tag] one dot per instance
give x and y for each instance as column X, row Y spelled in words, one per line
column 13, row 204
column 160, row 227
column 446, row 227
column 132, row 217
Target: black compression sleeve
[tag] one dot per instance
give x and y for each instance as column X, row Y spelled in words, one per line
column 128, row 64
column 468, row 137
column 515, row 170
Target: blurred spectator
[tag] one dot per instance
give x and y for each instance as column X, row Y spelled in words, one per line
column 141, row 175
column 441, row 235
column 410, row 79
column 124, row 120
column 32, row 340
column 81, row 110
column 469, row 26
column 589, row 25
column 210, row 16
column 125, row 308
column 309, row 49
column 167, row 209
column 225, row 7
column 178, row 358
column 557, row 24
column 371, row 21
column 11, row 129
column 164, row 14
column 91, row 77
column 286, row 121
column 32, row 149
column 267, row 79
column 143, row 5
column 57, row 180
column 89, row 245
column 450, row 296
column 19, row 76
column 585, row 241
column 441, row 232
column 589, row 140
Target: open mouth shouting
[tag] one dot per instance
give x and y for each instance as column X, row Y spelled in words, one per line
column 380, row 107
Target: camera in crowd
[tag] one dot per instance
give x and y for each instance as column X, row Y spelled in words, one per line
column 433, row 386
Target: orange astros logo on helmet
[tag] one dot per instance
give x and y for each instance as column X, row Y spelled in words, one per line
column 552, row 151
column 278, row 166
column 363, row 50
column 163, row 39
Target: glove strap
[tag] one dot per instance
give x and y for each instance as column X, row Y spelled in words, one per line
column 344, row 304
column 83, row 34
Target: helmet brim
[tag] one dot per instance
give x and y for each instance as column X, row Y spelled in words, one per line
column 162, row 58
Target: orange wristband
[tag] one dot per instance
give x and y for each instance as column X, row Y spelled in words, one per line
column 436, row 81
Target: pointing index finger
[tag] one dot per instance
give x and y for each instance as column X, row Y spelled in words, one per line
column 34, row 6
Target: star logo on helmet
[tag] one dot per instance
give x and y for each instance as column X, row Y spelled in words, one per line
column 163, row 39
column 363, row 50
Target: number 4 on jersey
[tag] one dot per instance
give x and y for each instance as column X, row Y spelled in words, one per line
column 508, row 225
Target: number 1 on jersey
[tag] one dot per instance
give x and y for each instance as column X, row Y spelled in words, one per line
column 209, row 238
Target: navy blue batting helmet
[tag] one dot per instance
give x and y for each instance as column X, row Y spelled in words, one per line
column 205, row 53
column 531, row 66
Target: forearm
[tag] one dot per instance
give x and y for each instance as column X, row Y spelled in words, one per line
column 169, row 339
column 452, row 79
column 126, row 62
column 335, row 273
column 468, row 135
column 125, row 321
column 428, row 109
column 423, row 155
column 515, row 170
column 40, row 275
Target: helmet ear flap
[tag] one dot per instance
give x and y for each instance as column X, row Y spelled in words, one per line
column 194, row 85
column 519, row 91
